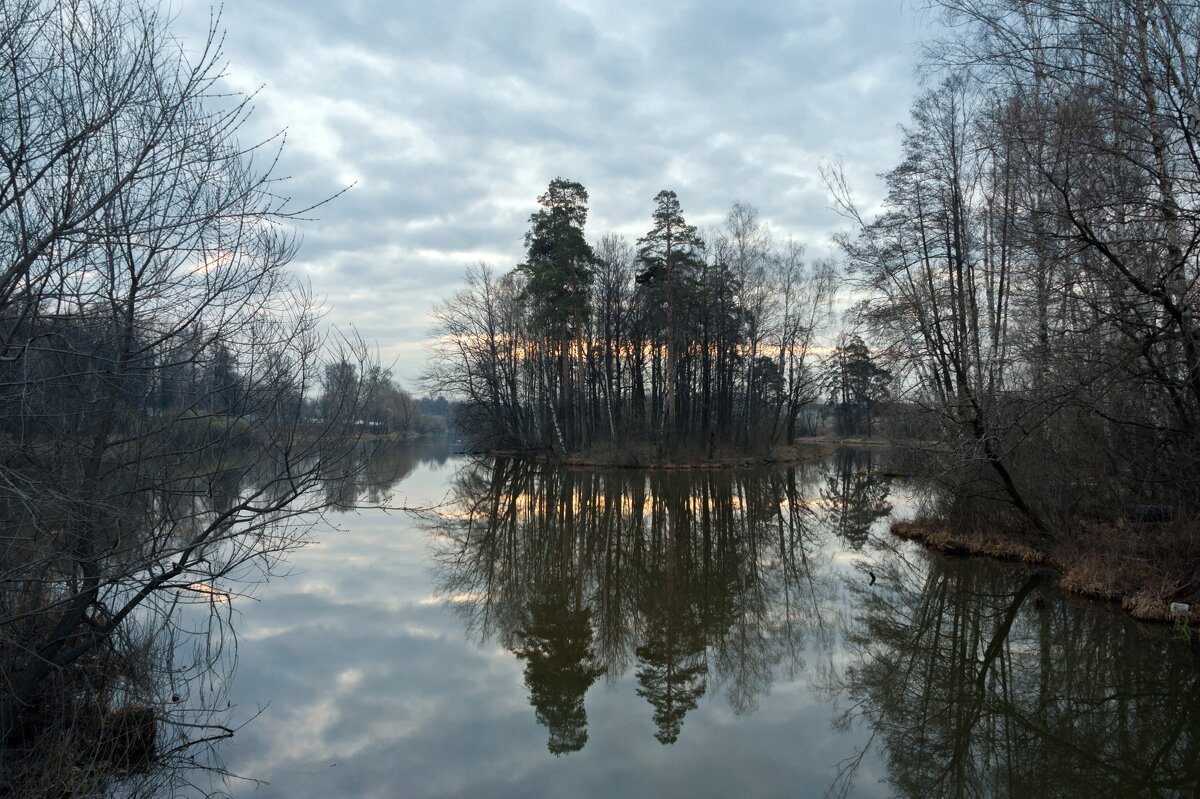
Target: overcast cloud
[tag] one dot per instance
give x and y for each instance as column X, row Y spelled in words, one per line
column 451, row 117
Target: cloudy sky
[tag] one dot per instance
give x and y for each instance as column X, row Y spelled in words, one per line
column 449, row 117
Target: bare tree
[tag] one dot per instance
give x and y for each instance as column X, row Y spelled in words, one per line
column 1036, row 268
column 153, row 345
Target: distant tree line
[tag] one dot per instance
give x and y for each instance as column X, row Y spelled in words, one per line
column 380, row 404
column 1033, row 276
column 678, row 340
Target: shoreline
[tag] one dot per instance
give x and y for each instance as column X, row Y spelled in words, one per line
column 1123, row 563
column 644, row 457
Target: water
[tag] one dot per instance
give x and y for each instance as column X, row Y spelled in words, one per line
column 547, row 632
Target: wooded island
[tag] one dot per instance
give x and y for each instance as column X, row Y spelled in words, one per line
column 684, row 346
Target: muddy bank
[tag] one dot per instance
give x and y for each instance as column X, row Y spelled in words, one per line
column 1143, row 567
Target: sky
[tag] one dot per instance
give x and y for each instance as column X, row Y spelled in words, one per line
column 448, row 118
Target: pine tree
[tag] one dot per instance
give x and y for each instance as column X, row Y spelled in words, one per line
column 670, row 257
column 559, row 265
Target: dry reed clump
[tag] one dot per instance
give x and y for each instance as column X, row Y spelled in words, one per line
column 1145, row 567
column 941, row 535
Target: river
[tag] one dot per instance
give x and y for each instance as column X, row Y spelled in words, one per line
column 538, row 631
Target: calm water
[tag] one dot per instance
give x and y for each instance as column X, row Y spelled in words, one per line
column 568, row 633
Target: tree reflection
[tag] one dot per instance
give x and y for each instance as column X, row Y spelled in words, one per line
column 560, row 666
column 140, row 712
column 380, row 467
column 854, row 494
column 671, row 659
column 979, row 681
column 690, row 580
column 976, row 680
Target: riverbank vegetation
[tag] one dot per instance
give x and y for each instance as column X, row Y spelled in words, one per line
column 1034, row 278
column 169, row 409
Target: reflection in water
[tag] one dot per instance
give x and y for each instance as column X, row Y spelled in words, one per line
column 972, row 679
column 682, row 590
column 693, row 580
column 560, row 665
column 382, row 468
column 139, row 714
column 981, row 681
column 854, row 495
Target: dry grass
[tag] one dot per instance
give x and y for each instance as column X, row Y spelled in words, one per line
column 942, row 536
column 1145, row 567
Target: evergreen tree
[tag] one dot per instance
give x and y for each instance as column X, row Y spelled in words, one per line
column 856, row 384
column 559, row 267
column 559, row 263
column 670, row 257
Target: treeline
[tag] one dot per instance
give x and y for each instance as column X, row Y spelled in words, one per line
column 187, row 380
column 678, row 340
column 1034, row 274
column 377, row 401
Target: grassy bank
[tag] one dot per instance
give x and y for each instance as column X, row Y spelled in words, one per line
column 1144, row 567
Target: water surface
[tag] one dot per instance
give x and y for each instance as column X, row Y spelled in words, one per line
column 552, row 632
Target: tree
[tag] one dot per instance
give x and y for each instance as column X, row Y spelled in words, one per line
column 480, row 355
column 617, row 330
column 559, row 265
column 856, row 384
column 669, row 255
column 153, row 348
column 579, row 349
column 1034, row 273
column 805, row 297
column 558, row 260
column 745, row 248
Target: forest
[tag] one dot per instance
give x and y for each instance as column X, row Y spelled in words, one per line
column 1019, row 309
column 1033, row 277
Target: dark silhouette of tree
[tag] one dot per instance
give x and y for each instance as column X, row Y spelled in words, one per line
column 559, row 266
column 1033, row 276
column 153, row 341
column 580, row 348
column 856, row 386
column 560, row 666
column 582, row 573
column 559, row 262
column 855, row 495
column 672, row 671
column 1018, row 693
column 670, row 258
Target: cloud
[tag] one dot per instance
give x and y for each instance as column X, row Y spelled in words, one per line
column 451, row 118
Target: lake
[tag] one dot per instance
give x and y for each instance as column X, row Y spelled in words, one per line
column 548, row 632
